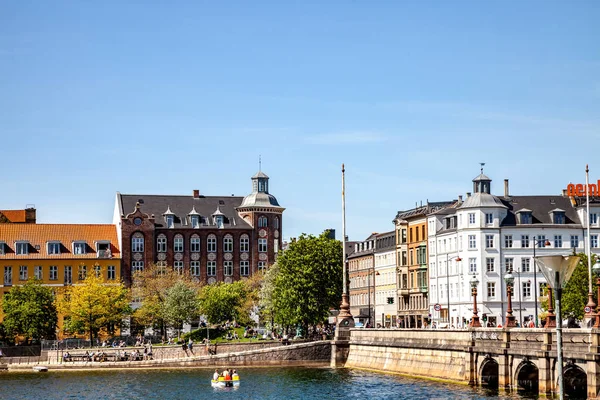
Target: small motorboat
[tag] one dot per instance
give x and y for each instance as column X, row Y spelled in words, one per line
column 222, row 383
column 40, row 368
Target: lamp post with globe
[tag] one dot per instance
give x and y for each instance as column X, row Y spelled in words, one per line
column 510, row 318
column 475, row 319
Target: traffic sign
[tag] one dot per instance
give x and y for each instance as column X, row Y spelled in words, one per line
column 437, row 307
column 587, row 309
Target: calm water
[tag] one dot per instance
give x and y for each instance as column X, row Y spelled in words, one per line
column 257, row 383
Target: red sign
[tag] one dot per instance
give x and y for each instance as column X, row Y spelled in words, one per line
column 437, row 307
column 578, row 190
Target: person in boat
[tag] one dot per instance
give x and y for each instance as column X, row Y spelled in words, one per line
column 216, row 375
column 235, row 375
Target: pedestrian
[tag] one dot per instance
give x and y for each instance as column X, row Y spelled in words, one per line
column 191, row 346
column 184, row 348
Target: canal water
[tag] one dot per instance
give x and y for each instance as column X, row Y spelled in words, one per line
column 256, row 383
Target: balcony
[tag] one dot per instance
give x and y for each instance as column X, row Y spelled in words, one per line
column 404, row 291
column 104, row 254
column 423, row 289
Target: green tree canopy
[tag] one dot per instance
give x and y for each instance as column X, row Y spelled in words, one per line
column 181, row 304
column 29, row 311
column 309, row 281
column 222, row 302
column 575, row 293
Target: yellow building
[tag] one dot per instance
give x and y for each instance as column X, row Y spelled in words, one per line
column 57, row 254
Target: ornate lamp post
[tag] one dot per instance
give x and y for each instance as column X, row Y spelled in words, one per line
column 510, row 318
column 596, row 270
column 475, row 319
column 550, row 318
column 458, row 259
column 536, row 243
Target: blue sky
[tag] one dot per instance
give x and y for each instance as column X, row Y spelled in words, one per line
column 167, row 97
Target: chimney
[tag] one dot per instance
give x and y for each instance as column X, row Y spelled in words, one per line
column 30, row 215
column 196, row 193
column 564, row 192
column 506, row 188
column 468, row 194
column 460, row 199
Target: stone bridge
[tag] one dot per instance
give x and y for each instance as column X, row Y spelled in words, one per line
column 518, row 359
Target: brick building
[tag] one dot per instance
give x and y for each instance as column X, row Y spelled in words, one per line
column 215, row 238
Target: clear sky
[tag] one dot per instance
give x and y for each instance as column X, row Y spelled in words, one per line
column 166, row 97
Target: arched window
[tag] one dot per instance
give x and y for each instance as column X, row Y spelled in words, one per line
column 137, row 242
column 228, row 244
column 178, row 243
column 276, row 223
column 244, row 243
column 195, row 244
column 211, row 243
column 161, row 244
column 262, row 222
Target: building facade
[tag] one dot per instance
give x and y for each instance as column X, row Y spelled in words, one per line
column 495, row 234
column 57, row 254
column 214, row 238
column 385, row 280
column 362, row 282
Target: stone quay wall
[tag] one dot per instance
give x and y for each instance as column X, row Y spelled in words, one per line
column 411, row 352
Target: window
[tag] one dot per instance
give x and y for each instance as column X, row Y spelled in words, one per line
column 526, row 289
column 178, row 267
column 23, row 275
column 557, row 241
column 524, row 240
column 244, row 243
column 471, row 218
column 211, row 243
column 489, row 241
column 262, row 222
column 195, row 268
column 79, row 248
column 111, row 273
column 170, row 221
column 593, row 219
column 509, row 264
column 525, row 265
column 37, row 272
column 228, row 268
column 98, row 270
column 574, row 241
column 262, row 266
column 489, row 218
column 137, row 243
column 211, row 268
column 195, row 221
column 244, row 268
column 525, row 217
column 161, row 244
column 508, row 241
column 276, row 223
column 472, row 265
column 262, row 245
column 2, row 248
column 137, row 266
column 541, row 241
column 7, row 276
column 403, row 235
column 81, row 272
column 22, row 248
column 491, row 290
column 594, row 240
column 219, row 221
column 178, row 243
column 53, row 273
column 53, row 248
column 195, row 244
column 559, row 217
column 472, row 242
column 68, row 275
column 228, row 244
column 490, row 265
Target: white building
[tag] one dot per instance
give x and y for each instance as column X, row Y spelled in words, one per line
column 491, row 235
column 385, row 280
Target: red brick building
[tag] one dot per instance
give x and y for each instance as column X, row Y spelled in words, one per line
column 215, row 238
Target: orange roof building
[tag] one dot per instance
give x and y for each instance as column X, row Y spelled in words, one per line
column 26, row 216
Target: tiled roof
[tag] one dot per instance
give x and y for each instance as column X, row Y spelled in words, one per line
column 38, row 235
column 182, row 206
column 14, row 216
column 540, row 206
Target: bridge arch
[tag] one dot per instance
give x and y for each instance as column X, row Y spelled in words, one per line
column 575, row 381
column 527, row 378
column 489, row 373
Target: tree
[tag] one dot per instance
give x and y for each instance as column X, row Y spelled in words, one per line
column 152, row 287
column 575, row 293
column 29, row 311
column 94, row 306
column 181, row 305
column 266, row 295
column 309, row 281
column 222, row 302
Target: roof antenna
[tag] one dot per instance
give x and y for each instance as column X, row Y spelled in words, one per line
column 482, row 164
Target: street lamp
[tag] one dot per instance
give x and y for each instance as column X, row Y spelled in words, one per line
column 458, row 259
column 536, row 243
column 475, row 319
column 510, row 318
column 596, row 270
column 369, row 287
column 557, row 270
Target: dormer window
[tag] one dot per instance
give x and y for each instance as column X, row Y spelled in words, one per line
column 103, row 249
column 53, row 247
column 79, row 248
column 219, row 221
column 524, row 217
column 558, row 216
column 169, row 218
column 2, row 248
column 195, row 221
column 22, row 248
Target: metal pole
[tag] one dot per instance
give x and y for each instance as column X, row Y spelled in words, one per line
column 590, row 303
column 535, row 290
column 520, row 305
column 559, row 366
column 369, row 300
column 344, row 289
column 448, row 287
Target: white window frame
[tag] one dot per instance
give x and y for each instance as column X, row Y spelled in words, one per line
column 489, row 241
column 263, row 222
column 491, row 290
column 178, row 267
column 111, row 273
column 195, row 221
column 490, row 262
column 161, row 244
column 195, row 244
column 594, row 241
column 211, row 244
column 262, row 245
column 472, row 241
column 228, row 268
column 471, row 218
column 137, row 244
column 489, row 218
column 79, row 247
column 244, row 243
column 574, row 241
column 228, row 244
column 558, row 242
column 23, row 272
column 137, row 266
column 526, row 289
column 509, row 264
column 508, row 241
column 472, row 265
column 170, row 221
column 8, row 275
column 68, row 275
column 22, row 248
column 262, row 266
column 195, row 268
column 525, row 264
column 53, row 273
column 524, row 241
column 211, row 268
column 244, row 268
column 38, row 272
column 178, row 246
